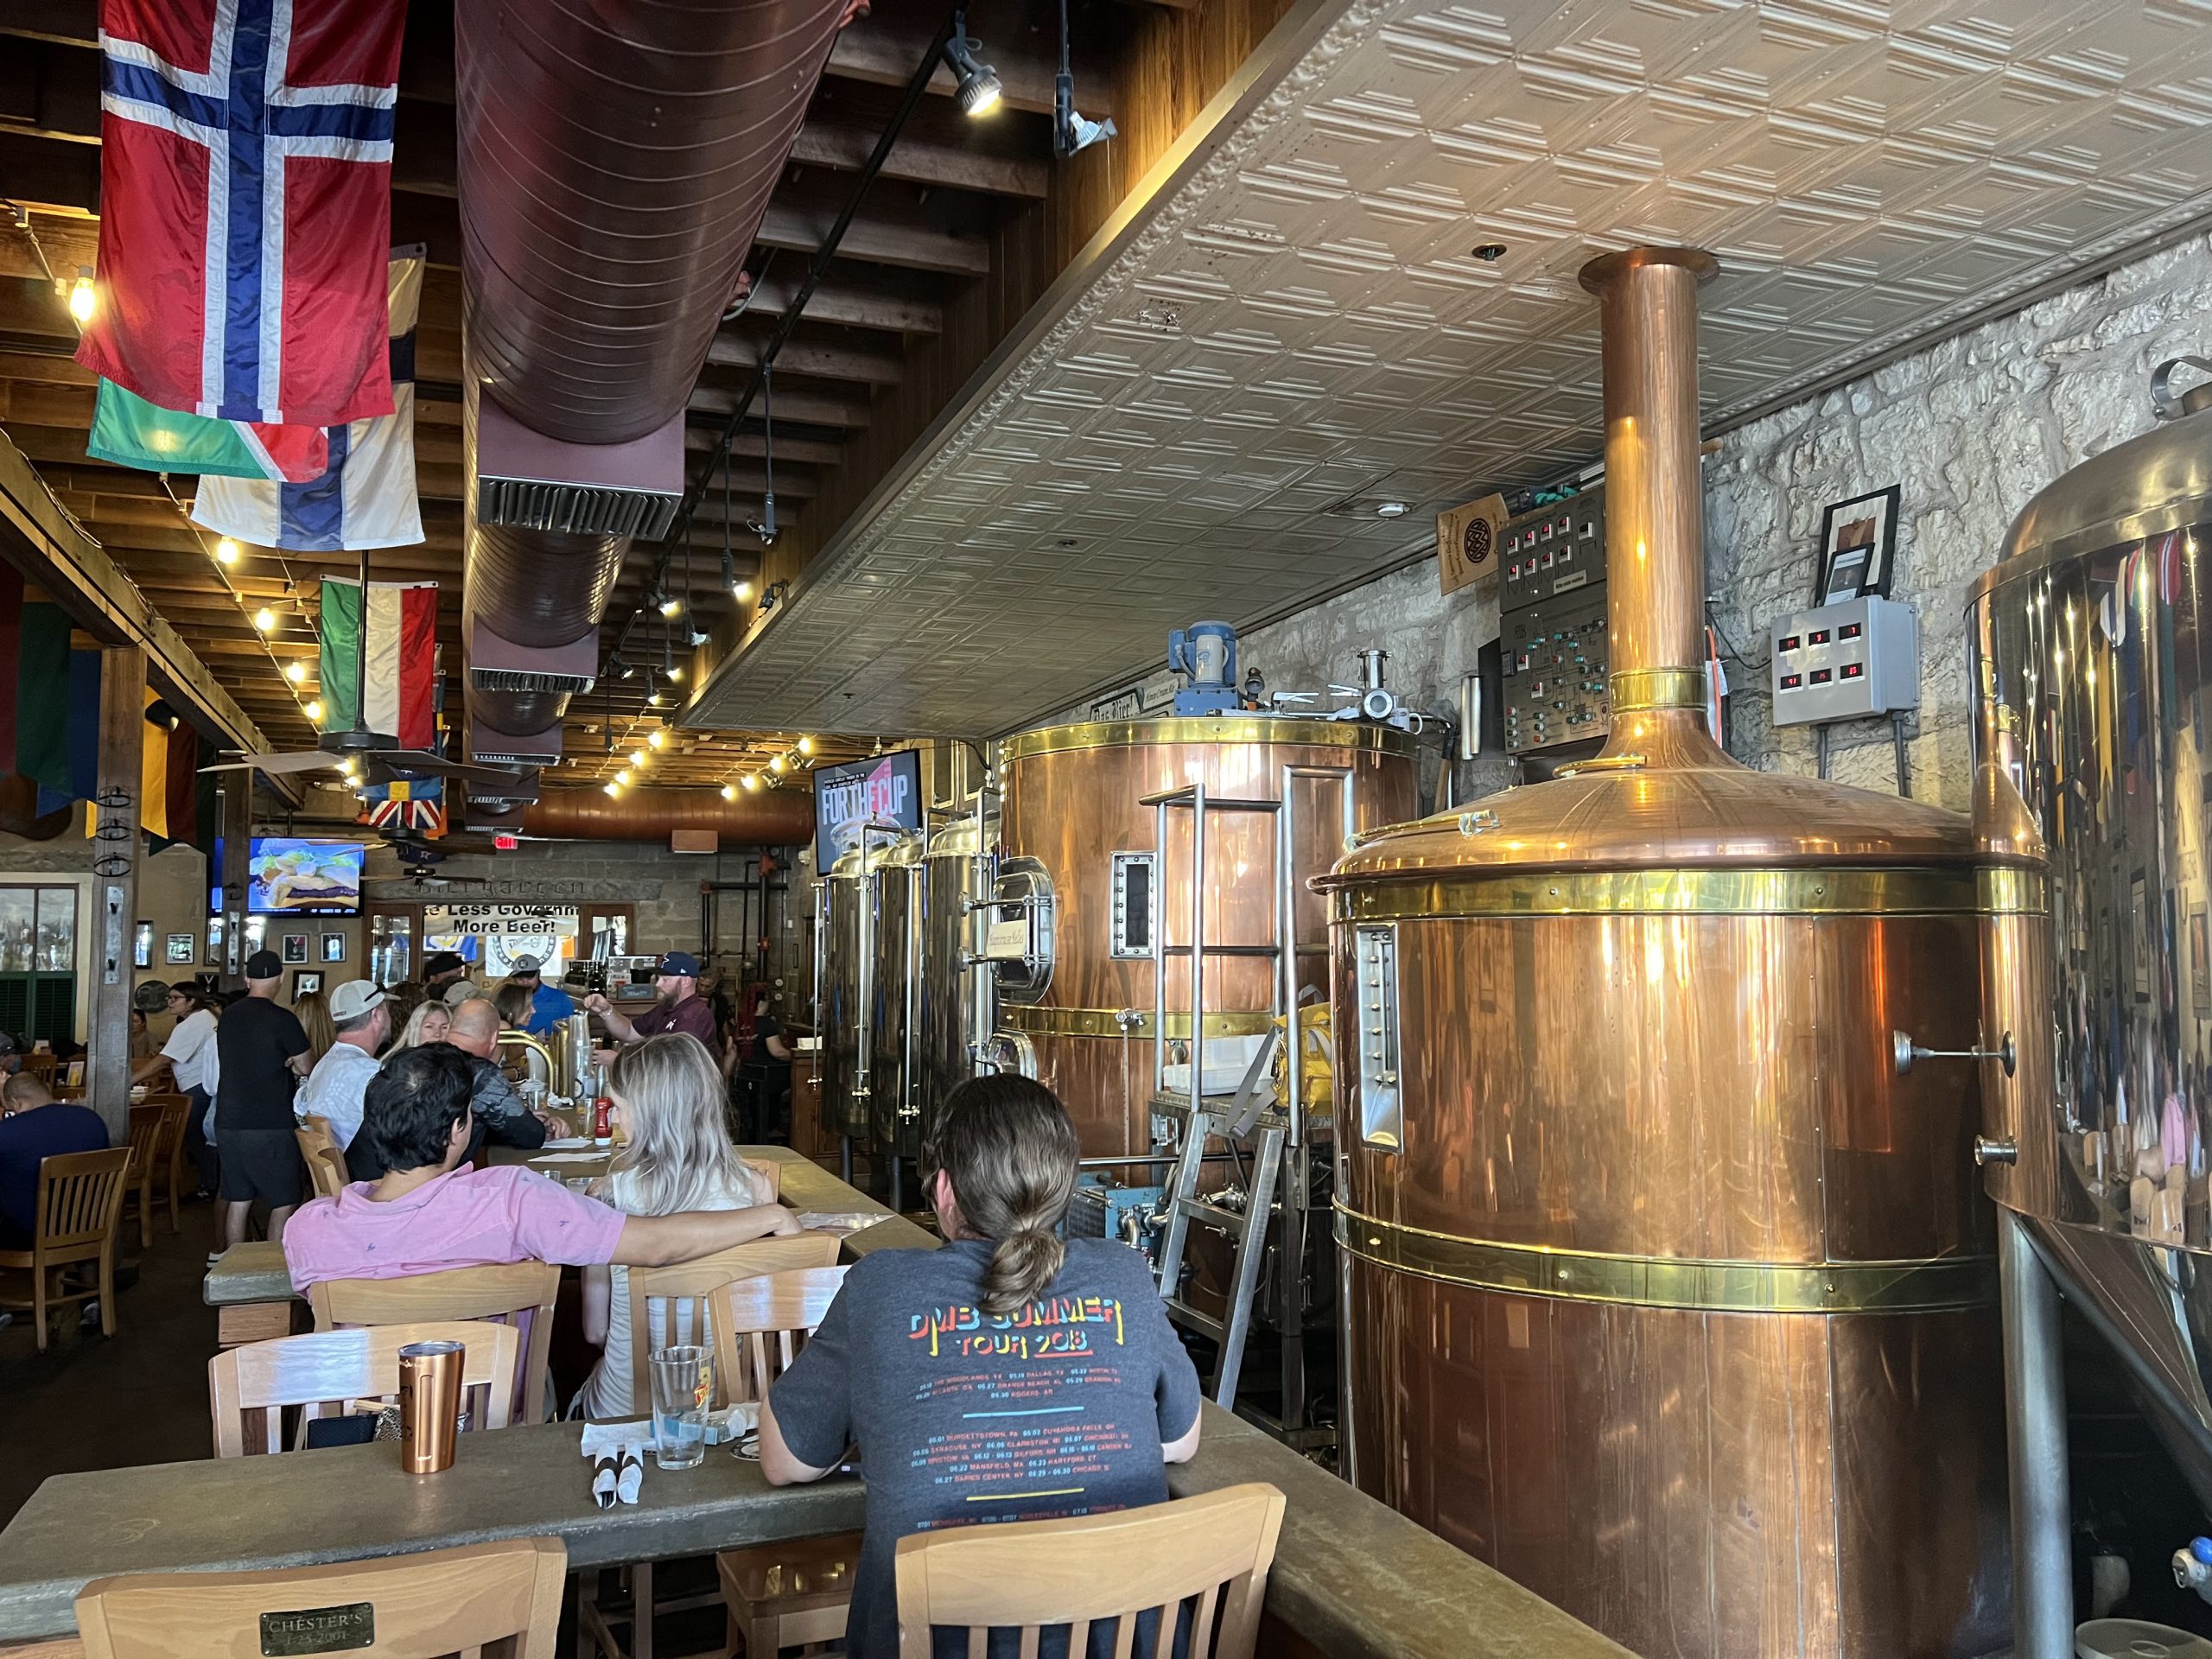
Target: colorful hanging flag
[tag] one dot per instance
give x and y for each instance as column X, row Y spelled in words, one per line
column 245, row 198
column 12, row 635
column 397, row 640
column 364, row 496
column 131, row 432
column 416, row 803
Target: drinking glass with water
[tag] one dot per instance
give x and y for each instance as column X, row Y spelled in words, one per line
column 681, row 1383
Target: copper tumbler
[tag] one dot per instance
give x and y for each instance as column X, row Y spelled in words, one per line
column 429, row 1404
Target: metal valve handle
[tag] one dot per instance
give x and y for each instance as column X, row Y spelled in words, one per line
column 1907, row 1051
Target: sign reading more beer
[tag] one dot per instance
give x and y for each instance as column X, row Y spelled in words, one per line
column 1467, row 543
column 493, row 935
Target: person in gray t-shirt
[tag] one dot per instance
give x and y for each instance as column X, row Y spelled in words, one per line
column 1007, row 1377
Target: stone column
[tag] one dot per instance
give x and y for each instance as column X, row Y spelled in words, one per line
column 115, row 881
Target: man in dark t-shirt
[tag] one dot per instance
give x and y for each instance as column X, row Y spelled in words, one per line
column 35, row 1127
column 963, row 1417
column 262, row 1052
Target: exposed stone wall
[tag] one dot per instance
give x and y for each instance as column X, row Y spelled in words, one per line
column 1970, row 428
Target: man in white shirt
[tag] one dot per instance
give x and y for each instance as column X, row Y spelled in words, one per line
column 190, row 1055
column 333, row 1089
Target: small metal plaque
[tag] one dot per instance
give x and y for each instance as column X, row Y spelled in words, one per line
column 320, row 1629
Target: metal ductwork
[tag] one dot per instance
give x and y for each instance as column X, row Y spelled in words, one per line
column 614, row 163
column 769, row 817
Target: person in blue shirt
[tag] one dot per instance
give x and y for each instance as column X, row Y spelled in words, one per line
column 34, row 1126
column 549, row 1004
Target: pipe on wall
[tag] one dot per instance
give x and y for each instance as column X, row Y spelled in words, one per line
column 769, row 817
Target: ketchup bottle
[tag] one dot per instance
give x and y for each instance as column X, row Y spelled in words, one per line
column 602, row 1121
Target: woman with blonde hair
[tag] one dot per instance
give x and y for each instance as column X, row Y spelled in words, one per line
column 312, row 1010
column 1010, row 1358
column 429, row 1023
column 668, row 1099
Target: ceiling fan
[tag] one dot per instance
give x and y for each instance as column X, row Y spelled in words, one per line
column 381, row 757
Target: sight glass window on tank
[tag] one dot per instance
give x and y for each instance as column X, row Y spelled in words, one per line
column 1132, row 906
column 1376, row 979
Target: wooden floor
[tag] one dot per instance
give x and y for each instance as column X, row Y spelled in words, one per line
column 95, row 1402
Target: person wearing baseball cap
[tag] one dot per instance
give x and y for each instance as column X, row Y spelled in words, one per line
column 261, row 1052
column 440, row 969
column 549, row 1004
column 341, row 1076
column 680, row 1008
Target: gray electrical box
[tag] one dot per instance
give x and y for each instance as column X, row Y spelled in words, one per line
column 1845, row 661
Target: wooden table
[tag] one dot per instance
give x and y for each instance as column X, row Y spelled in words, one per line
column 1352, row 1577
column 254, row 1301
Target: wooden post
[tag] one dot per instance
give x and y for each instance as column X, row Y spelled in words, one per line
column 115, row 880
column 238, row 847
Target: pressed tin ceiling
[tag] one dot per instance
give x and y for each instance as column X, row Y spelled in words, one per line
column 1294, row 319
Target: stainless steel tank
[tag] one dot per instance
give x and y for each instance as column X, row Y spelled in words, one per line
column 2094, row 783
column 1082, row 863
column 892, row 961
column 1664, row 1292
column 838, row 966
column 953, row 1005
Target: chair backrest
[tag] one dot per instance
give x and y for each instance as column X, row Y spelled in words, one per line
column 176, row 1117
column 410, row 1606
column 520, row 1293
column 760, row 1323
column 1029, row 1574
column 325, row 1164
column 771, row 1171
column 656, row 1295
column 325, row 1371
column 80, row 1200
column 145, row 1139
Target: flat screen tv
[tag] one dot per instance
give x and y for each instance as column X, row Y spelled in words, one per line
column 885, row 789
column 304, row 878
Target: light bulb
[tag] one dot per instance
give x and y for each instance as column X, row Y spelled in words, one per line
column 614, row 789
column 741, row 592
column 226, row 551
column 83, row 299
column 623, row 777
column 806, row 746
column 671, row 605
column 640, row 759
column 296, row 672
column 314, row 709
column 264, row 619
column 655, row 701
column 657, row 737
column 751, row 780
column 729, row 791
column 776, row 764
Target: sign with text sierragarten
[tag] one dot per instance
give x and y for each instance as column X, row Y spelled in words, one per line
column 884, row 789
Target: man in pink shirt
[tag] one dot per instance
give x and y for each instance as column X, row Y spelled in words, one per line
column 427, row 1214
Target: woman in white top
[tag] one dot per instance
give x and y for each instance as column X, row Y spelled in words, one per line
column 668, row 1096
column 190, row 1053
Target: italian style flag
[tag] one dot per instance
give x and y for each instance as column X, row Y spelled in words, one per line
column 398, row 638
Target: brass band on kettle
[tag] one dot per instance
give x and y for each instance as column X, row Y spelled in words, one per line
column 1656, row 688
column 1843, row 891
column 1109, row 1023
column 1207, row 729
column 1924, row 1285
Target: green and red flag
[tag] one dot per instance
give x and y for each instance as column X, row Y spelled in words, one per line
column 397, row 638
column 131, row 432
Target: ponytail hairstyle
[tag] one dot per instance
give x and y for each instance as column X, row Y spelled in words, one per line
column 1010, row 1151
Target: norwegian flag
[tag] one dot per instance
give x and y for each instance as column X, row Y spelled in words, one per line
column 245, row 206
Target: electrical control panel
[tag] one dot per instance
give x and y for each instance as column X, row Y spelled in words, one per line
column 1553, row 550
column 1845, row 661
column 1553, row 624
column 1555, row 670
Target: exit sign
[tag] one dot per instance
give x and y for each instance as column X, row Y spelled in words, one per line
column 504, row 843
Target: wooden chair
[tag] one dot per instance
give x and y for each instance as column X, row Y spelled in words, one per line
column 79, row 1204
column 1029, row 1574
column 144, row 1144
column 325, row 1372
column 167, row 1171
column 520, row 1293
column 778, row 1595
column 410, row 1606
column 658, row 1319
column 326, row 1163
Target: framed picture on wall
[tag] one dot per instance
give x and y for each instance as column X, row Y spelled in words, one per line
column 214, row 957
column 333, row 947
column 183, row 948
column 305, row 980
column 295, row 947
column 142, row 945
column 1858, row 546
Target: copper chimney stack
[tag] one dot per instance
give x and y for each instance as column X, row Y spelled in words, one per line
column 1663, row 1290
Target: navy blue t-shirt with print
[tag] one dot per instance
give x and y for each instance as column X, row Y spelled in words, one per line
column 964, row 1418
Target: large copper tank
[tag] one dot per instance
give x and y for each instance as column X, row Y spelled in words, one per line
column 1664, row 1293
column 2093, row 777
column 1072, row 798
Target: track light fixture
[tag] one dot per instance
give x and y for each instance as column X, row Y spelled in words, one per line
column 764, row 526
column 977, row 89
column 620, row 668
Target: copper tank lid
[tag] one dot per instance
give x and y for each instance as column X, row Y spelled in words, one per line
column 1662, row 794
